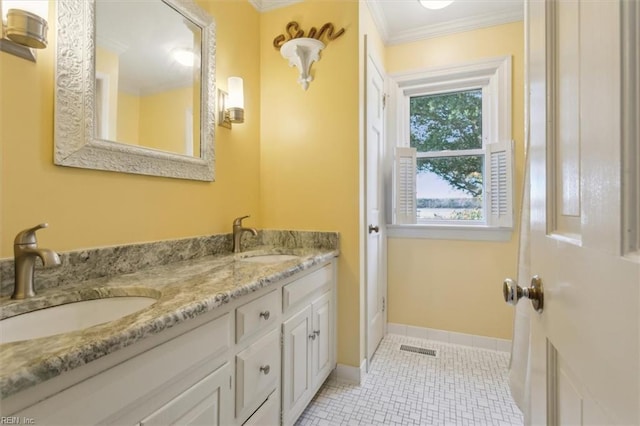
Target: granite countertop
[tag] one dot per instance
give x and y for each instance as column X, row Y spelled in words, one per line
column 184, row 289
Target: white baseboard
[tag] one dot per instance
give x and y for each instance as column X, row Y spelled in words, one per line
column 493, row 343
column 350, row 374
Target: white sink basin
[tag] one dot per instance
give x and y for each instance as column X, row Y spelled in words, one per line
column 69, row 317
column 270, row 258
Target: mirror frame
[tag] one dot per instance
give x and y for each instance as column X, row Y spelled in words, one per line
column 75, row 144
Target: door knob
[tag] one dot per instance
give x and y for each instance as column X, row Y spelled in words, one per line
column 373, row 229
column 513, row 292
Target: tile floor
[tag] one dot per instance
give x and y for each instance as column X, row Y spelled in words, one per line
column 460, row 386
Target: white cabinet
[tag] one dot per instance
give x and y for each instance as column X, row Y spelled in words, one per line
column 268, row 414
column 257, row 315
column 296, row 364
column 322, row 342
column 207, row 402
column 308, row 352
column 256, row 361
column 257, row 373
column 167, row 381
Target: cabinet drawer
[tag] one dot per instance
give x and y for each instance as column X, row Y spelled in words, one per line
column 257, row 373
column 296, row 291
column 267, row 414
column 257, row 315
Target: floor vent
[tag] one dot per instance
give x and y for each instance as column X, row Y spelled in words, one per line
column 415, row 349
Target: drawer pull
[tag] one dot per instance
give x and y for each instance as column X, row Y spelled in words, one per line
column 265, row 369
column 312, row 336
column 316, row 332
column 265, row 315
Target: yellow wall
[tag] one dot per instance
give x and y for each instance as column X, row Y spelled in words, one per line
column 128, row 118
column 456, row 285
column 310, row 147
column 155, row 130
column 142, row 120
column 89, row 208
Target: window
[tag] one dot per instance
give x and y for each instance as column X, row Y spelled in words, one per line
column 453, row 162
column 446, row 131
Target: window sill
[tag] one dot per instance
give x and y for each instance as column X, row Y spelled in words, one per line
column 450, row 232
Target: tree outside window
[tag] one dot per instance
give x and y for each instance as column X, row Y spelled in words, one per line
column 446, row 130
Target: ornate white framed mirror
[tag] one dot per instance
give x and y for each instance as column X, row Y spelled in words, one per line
column 135, row 87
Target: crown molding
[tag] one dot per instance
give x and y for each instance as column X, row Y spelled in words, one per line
column 456, row 26
column 267, row 5
column 111, row 44
column 407, row 36
column 379, row 20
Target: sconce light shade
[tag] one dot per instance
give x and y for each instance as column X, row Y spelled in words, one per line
column 26, row 28
column 236, row 92
column 235, row 105
column 231, row 104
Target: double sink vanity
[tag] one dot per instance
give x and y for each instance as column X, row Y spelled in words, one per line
column 178, row 332
column 171, row 332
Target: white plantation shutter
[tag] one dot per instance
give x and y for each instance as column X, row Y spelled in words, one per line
column 405, row 185
column 499, row 184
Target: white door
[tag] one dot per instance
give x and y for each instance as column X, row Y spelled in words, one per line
column 376, row 294
column 584, row 244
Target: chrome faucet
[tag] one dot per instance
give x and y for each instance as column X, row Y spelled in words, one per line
column 238, row 230
column 25, row 250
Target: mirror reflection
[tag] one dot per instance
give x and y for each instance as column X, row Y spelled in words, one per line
column 148, row 69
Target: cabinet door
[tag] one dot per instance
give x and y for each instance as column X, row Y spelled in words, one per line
column 208, row 402
column 321, row 343
column 296, row 357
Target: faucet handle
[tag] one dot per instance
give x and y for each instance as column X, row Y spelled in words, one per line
column 28, row 236
column 238, row 220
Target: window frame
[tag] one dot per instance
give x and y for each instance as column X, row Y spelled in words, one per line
column 493, row 76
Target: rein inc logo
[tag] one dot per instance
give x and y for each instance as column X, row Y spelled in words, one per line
column 17, row 420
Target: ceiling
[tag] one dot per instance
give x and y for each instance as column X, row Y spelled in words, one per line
column 403, row 21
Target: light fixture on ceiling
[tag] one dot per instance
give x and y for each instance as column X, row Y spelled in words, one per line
column 435, row 4
column 231, row 104
column 184, row 57
column 24, row 27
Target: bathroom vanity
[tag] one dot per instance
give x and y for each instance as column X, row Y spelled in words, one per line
column 233, row 339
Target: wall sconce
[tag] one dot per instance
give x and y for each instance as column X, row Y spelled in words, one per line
column 231, row 104
column 24, row 27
